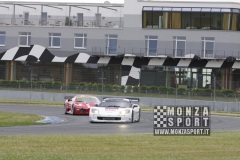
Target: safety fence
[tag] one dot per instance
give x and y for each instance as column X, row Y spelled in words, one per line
column 207, row 94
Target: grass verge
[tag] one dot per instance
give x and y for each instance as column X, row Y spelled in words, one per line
column 18, row 119
column 218, row 146
column 30, row 102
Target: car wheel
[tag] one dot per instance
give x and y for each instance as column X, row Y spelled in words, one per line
column 132, row 116
column 139, row 116
column 73, row 110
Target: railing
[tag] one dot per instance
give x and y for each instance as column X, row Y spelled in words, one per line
column 169, row 52
column 61, row 21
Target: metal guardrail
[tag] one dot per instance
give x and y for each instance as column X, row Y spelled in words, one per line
column 43, row 96
column 170, row 52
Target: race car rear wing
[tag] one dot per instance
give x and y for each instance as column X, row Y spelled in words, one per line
column 130, row 99
column 68, row 97
column 133, row 99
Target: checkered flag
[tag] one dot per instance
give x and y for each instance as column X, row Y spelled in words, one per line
column 160, row 116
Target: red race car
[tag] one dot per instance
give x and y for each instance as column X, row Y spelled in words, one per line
column 80, row 104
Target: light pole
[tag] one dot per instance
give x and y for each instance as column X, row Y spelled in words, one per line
column 139, row 82
column 30, row 70
column 102, row 78
column 214, row 87
column 102, row 81
column 139, row 85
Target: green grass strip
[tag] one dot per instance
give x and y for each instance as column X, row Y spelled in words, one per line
column 218, row 146
column 8, row 119
column 37, row 102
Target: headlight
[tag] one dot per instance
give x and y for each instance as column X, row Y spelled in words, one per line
column 94, row 111
column 126, row 111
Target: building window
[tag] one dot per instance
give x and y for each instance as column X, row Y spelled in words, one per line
column 216, row 21
column 80, row 41
column 176, row 20
column 2, row 38
column 147, row 17
column 151, row 45
column 179, row 46
column 54, row 40
column 156, row 17
column 24, row 39
column 208, row 44
column 111, row 44
column 190, row 18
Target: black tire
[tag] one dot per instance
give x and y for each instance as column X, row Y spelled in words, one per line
column 139, row 115
column 132, row 117
column 73, row 110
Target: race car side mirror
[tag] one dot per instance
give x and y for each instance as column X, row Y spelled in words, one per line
column 69, row 100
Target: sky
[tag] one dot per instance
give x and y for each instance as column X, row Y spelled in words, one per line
column 68, row 1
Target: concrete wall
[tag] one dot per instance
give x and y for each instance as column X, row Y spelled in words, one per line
column 129, row 40
column 144, row 101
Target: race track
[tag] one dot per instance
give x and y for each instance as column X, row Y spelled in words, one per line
column 81, row 125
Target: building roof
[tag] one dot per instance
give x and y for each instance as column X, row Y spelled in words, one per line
column 105, row 2
column 197, row 1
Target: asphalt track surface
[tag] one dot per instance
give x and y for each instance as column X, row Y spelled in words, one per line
column 80, row 124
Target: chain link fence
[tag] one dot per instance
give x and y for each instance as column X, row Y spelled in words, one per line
column 150, row 82
column 119, row 90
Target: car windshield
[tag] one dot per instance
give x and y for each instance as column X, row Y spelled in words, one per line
column 87, row 99
column 121, row 104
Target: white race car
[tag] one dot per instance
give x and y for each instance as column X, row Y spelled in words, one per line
column 116, row 110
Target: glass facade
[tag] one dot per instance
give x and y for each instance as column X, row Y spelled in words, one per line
column 30, row 71
column 96, row 73
column 2, row 70
column 180, row 77
column 149, row 75
column 191, row 18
